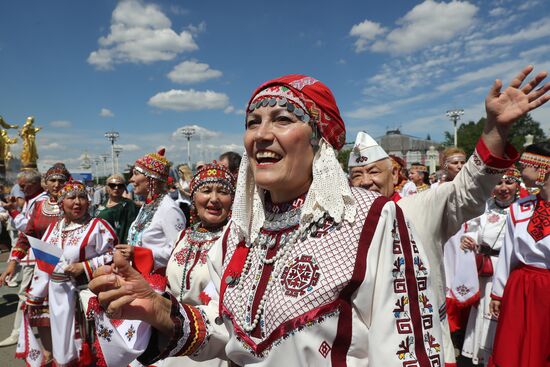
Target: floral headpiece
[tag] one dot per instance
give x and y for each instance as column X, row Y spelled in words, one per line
column 540, row 162
column 512, row 174
column 72, row 187
column 57, row 171
column 309, row 99
column 213, row 173
column 154, row 165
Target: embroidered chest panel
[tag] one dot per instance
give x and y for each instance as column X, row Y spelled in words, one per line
column 313, row 275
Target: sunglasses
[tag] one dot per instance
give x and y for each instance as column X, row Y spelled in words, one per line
column 116, row 186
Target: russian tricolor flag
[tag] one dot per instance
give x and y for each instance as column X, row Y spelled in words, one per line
column 47, row 255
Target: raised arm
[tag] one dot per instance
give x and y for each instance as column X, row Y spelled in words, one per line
column 504, row 107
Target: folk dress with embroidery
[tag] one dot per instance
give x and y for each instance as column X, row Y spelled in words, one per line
column 521, row 283
column 90, row 243
column 350, row 294
column 156, row 228
column 188, row 277
column 487, row 230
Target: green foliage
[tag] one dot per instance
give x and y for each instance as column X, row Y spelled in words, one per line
column 343, row 158
column 469, row 133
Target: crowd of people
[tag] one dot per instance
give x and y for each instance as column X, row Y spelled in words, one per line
column 281, row 257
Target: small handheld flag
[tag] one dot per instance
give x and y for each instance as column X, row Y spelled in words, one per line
column 47, row 255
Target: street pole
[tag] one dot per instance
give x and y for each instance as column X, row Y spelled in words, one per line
column 104, row 157
column 188, row 132
column 117, row 151
column 454, row 116
column 112, row 136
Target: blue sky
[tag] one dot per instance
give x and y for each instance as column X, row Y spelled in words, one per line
column 147, row 68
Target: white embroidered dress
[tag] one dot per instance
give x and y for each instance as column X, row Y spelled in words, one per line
column 91, row 244
column 487, row 230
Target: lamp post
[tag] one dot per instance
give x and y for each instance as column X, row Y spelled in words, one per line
column 188, row 132
column 96, row 162
column 117, row 150
column 112, row 136
column 104, row 157
column 454, row 116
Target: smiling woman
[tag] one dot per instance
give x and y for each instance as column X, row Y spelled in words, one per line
column 308, row 270
column 87, row 244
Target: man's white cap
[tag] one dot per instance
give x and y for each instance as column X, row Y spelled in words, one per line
column 365, row 151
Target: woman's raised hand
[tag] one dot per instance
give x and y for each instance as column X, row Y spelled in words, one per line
column 505, row 106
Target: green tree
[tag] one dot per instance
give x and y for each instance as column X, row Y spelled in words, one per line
column 525, row 126
column 343, row 158
column 469, row 133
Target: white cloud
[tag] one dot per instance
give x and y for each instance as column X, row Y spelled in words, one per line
column 498, row 12
column 189, row 72
column 229, row 109
column 129, row 147
column 189, row 100
column 51, row 146
column 527, row 5
column 140, row 33
column 536, row 30
column 61, row 124
column 427, row 24
column 198, row 130
column 365, row 32
column 105, row 112
column 488, row 72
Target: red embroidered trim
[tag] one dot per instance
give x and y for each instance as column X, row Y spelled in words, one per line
column 539, row 224
column 497, row 162
column 412, row 290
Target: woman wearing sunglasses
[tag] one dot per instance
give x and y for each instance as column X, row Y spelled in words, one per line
column 117, row 210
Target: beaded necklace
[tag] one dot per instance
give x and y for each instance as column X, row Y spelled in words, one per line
column 196, row 239
column 50, row 209
column 143, row 220
column 287, row 222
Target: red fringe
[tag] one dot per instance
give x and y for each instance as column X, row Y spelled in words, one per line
column 458, row 312
column 86, row 357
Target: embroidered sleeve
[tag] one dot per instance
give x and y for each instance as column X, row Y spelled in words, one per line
column 506, row 261
column 105, row 240
column 21, row 248
column 181, row 338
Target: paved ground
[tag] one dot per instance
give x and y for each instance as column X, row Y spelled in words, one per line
column 8, row 305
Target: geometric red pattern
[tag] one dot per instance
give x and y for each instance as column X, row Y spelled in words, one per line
column 324, row 349
column 539, row 225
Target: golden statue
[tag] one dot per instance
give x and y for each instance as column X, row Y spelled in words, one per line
column 5, row 142
column 29, row 154
column 5, row 125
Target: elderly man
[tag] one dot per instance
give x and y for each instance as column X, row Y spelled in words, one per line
column 435, row 214
column 31, row 185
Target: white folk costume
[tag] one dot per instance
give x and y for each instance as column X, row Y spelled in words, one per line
column 521, row 282
column 187, row 271
column 488, row 231
column 332, row 278
column 160, row 220
column 90, row 243
column 437, row 214
column 156, row 228
column 154, row 233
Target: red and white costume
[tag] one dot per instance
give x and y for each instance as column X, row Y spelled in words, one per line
column 90, row 243
column 521, row 282
column 488, row 231
column 188, row 277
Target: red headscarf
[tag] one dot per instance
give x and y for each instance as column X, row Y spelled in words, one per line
column 319, row 102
